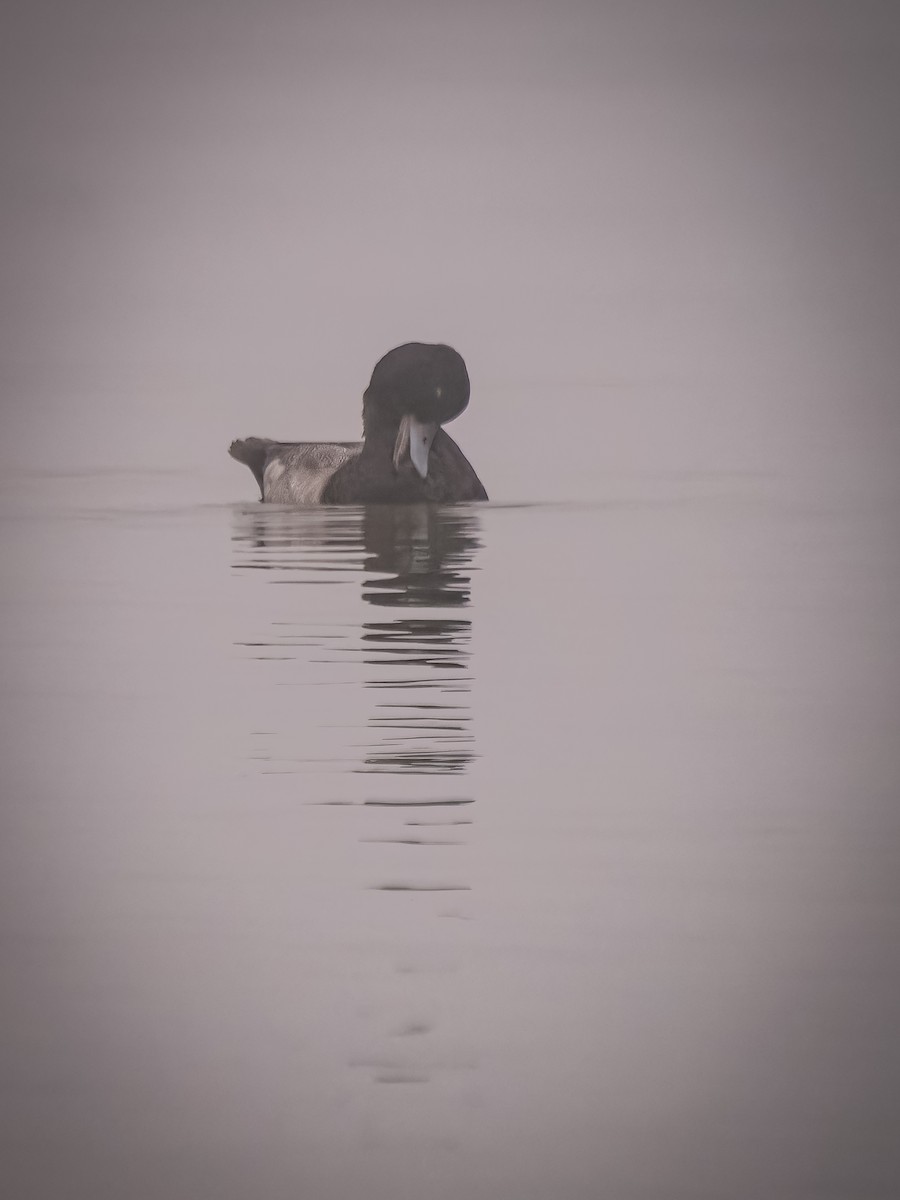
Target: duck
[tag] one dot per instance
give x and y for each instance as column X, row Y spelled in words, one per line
column 405, row 457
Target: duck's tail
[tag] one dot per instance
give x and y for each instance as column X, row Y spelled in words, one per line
column 253, row 453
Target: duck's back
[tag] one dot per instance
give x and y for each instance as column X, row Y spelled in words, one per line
column 293, row 472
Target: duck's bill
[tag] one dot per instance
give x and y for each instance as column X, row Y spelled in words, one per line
column 415, row 438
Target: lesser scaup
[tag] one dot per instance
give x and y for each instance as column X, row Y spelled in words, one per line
column 405, row 455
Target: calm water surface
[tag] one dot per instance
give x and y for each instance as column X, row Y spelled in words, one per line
column 505, row 851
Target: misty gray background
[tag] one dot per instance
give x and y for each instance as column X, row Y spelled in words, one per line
column 660, row 233
column 661, row 670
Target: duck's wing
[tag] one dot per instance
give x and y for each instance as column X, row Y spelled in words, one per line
column 293, row 472
column 450, row 472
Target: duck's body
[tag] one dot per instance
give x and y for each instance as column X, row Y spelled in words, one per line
column 339, row 473
column 405, row 456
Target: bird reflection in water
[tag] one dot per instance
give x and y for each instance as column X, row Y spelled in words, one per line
column 381, row 604
column 411, row 557
column 420, row 557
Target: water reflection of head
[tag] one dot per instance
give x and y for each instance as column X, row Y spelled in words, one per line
column 419, row 557
column 426, row 552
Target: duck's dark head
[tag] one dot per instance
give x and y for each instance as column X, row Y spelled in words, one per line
column 414, row 390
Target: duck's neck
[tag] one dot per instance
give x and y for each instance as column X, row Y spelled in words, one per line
column 379, row 436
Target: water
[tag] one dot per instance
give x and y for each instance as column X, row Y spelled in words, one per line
column 499, row 851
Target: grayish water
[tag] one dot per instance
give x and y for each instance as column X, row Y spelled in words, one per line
column 502, row 851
